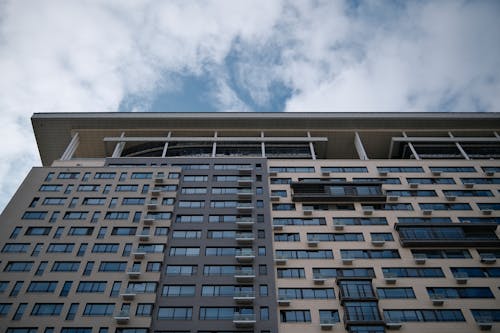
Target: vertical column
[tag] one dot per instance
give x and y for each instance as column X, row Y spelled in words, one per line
column 462, row 151
column 214, row 145
column 411, row 147
column 311, row 146
column 359, row 147
column 165, row 147
column 262, row 145
column 71, row 148
column 119, row 147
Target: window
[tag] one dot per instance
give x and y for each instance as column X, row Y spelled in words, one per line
column 105, row 175
column 142, row 287
column 71, row 316
column 475, row 272
column 65, row 266
column 175, row 313
column 18, row 266
column 159, row 215
column 299, row 221
column 356, row 289
column 88, row 188
column 381, row 236
column 16, row 289
column 335, row 237
column 47, row 309
column 123, row 231
column 153, row 266
column 80, row 231
column 151, row 248
column 444, row 206
column 370, row 254
column 94, row 201
column 15, row 248
column 189, row 219
column 430, row 181
column 161, row 231
column 178, row 290
column 105, row 248
column 191, row 204
column 5, row 309
column 91, row 287
column 486, row 315
column 15, row 232
column 480, row 180
column 184, row 251
column 42, row 287
column 400, row 169
column 264, row 313
column 359, row 221
column 3, row 286
column 305, row 254
column 343, row 272
column 291, row 273
column 292, row 169
column 126, row 188
column 41, row 268
column 413, row 193
column 75, row 216
column 468, row 193
column 222, row 313
column 450, row 292
column 287, row 237
column 195, row 178
column 488, row 206
column 66, row 288
column 60, row 248
column 443, row 254
column 112, row 266
column 413, row 272
column 133, row 201
column 186, row 234
column 53, row 201
column 167, row 201
column 295, row 316
column 144, row 309
column 283, row 206
column 344, row 169
column 116, row 216
column 68, row 175
column 186, row 270
column 99, row 309
column 141, row 175
column 405, row 292
column 410, row 220
column 50, row 188
column 194, row 190
column 423, row 315
column 361, row 311
column 306, row 293
column 34, row 215
column 115, row 289
column 20, row 311
column 452, row 169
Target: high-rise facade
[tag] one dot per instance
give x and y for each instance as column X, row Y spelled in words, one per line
column 250, row 222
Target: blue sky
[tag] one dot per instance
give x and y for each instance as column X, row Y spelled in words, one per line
column 245, row 55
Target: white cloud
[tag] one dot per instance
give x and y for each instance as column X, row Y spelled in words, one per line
column 87, row 56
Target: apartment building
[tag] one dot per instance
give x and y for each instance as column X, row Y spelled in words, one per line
column 255, row 222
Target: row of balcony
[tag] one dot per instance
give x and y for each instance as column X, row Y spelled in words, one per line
column 240, row 320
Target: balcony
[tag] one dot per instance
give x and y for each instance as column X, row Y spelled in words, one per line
column 244, row 320
column 134, row 273
column 245, row 223
column 244, row 297
column 122, row 317
column 245, row 207
column 129, row 294
column 363, row 318
column 245, row 255
column 245, row 237
column 144, row 236
column 245, row 193
column 243, row 275
column 327, row 324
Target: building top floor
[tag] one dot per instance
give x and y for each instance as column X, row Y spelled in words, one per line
column 66, row 136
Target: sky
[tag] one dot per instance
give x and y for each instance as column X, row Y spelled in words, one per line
column 247, row 56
